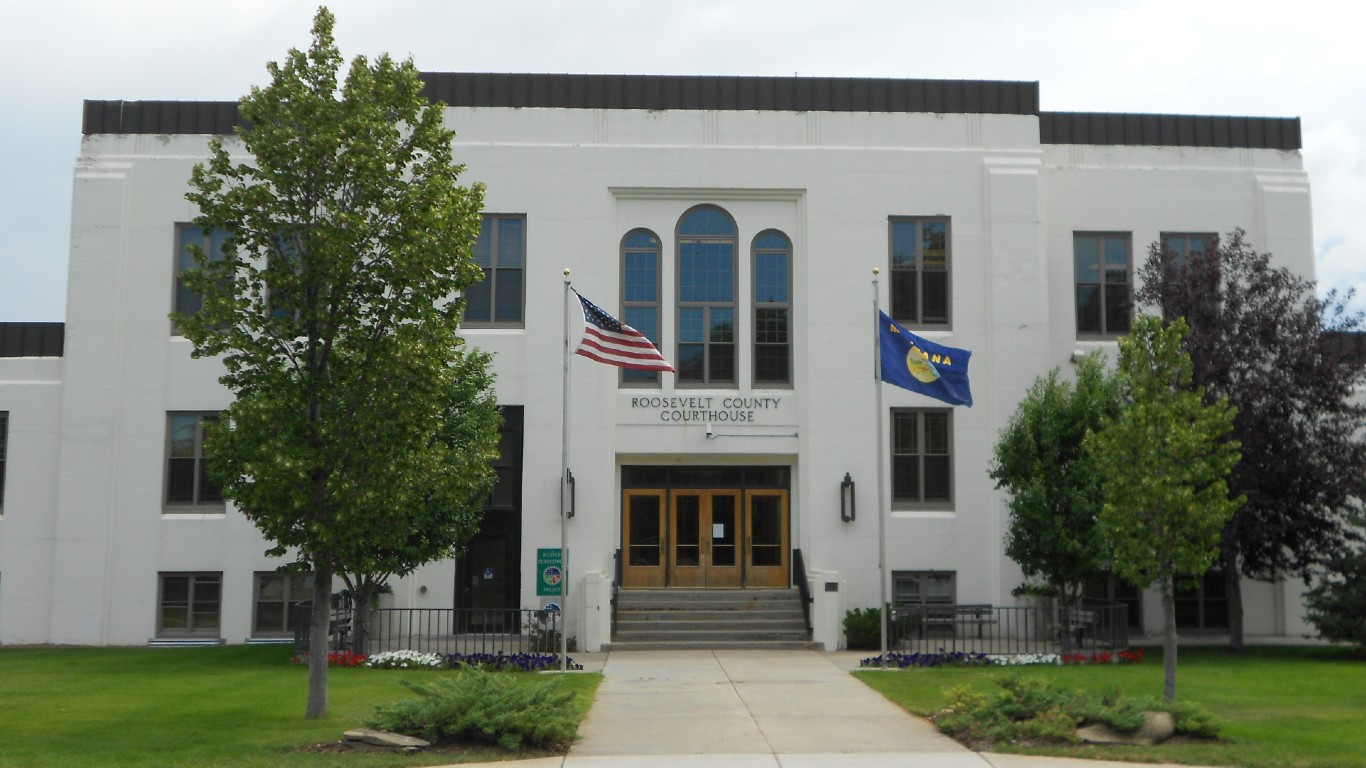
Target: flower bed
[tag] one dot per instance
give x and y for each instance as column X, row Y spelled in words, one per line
column 959, row 659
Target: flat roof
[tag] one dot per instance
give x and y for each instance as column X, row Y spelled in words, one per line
column 785, row 94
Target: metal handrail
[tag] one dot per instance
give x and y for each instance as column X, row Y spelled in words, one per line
column 803, row 588
column 1009, row 630
column 442, row 631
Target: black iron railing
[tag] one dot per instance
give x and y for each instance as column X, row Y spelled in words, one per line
column 616, row 589
column 803, row 588
column 440, row 630
column 1087, row 628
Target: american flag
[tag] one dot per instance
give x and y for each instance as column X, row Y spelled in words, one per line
column 608, row 340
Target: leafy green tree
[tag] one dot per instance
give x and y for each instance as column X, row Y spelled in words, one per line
column 1337, row 603
column 1055, row 488
column 1165, row 461
column 333, row 315
column 467, row 428
column 1260, row 338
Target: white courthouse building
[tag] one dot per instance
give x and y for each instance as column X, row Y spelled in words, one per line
column 734, row 220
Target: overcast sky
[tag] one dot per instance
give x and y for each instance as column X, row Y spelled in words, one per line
column 1305, row 59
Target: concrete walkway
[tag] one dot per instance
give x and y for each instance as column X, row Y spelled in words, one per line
column 757, row 709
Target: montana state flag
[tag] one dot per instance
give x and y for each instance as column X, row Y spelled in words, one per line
column 920, row 365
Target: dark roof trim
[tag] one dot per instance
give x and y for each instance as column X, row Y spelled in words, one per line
column 687, row 92
column 1169, row 130
column 32, row 339
column 170, row 117
column 796, row 94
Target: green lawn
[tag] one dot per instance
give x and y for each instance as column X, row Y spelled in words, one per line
column 203, row 707
column 1281, row 707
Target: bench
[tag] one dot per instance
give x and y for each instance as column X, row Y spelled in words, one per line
column 948, row 620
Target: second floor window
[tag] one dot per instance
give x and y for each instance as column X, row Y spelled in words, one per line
column 706, row 297
column 498, row 300
column 772, row 309
column 640, row 257
column 211, row 242
column 922, row 457
column 188, row 485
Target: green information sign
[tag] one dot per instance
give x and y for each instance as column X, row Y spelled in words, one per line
column 549, row 572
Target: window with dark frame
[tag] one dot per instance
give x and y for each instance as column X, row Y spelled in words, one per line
column 1183, row 245
column 285, row 298
column 1103, row 266
column 188, row 485
column 1204, row 605
column 212, row 242
column 189, row 604
column 497, row 300
column 772, row 257
column 922, row 588
column 640, row 264
column 706, row 297
column 277, row 596
column 4, row 452
column 919, row 270
column 922, row 457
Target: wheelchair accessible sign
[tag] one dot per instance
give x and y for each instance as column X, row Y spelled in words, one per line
column 549, row 572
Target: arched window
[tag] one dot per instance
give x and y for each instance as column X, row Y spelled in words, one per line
column 640, row 257
column 772, row 256
column 706, row 297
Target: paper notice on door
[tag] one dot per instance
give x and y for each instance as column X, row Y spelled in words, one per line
column 718, row 530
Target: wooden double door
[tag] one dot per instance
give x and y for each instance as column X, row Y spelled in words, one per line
column 722, row 538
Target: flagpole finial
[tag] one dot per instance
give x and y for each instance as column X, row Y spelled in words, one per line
column 876, row 271
column 566, row 271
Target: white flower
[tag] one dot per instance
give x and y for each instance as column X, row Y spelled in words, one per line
column 404, row 660
column 1025, row 659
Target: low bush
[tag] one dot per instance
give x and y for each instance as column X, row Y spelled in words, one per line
column 1033, row 711
column 862, row 629
column 475, row 706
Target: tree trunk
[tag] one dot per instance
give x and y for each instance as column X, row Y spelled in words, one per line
column 1168, row 638
column 1063, row 612
column 1233, row 588
column 364, row 593
column 318, row 636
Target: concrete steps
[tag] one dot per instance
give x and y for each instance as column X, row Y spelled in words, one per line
column 680, row 619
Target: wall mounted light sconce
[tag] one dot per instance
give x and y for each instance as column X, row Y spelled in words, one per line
column 567, row 501
column 847, row 499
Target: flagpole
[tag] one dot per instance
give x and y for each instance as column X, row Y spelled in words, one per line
column 881, row 486
column 564, row 474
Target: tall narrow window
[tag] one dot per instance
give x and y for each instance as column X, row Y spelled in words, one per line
column 640, row 257
column 4, row 451
column 211, row 242
column 497, row 300
column 920, row 271
column 188, row 485
column 922, row 457
column 706, row 297
column 1198, row 277
column 772, row 309
column 1102, row 281
column 286, row 296
column 189, row 604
